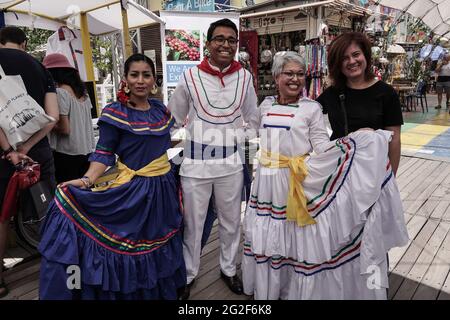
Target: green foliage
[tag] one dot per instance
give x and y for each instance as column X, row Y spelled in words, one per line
column 36, row 38
column 102, row 55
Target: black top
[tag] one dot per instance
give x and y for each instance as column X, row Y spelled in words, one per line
column 376, row 107
column 38, row 82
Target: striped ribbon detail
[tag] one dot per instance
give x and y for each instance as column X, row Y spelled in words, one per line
column 71, row 209
column 142, row 126
column 346, row 254
column 203, row 108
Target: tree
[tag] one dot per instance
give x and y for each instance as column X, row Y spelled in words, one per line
column 102, row 55
column 36, row 41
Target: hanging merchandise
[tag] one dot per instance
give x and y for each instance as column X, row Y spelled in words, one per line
column 316, row 67
column 68, row 42
column 266, row 56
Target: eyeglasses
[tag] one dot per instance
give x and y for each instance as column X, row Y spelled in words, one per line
column 291, row 75
column 221, row 41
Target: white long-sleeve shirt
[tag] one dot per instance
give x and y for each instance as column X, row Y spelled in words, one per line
column 215, row 113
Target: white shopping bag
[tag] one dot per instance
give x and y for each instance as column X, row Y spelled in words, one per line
column 20, row 115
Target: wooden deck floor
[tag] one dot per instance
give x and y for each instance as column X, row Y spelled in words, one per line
column 419, row 270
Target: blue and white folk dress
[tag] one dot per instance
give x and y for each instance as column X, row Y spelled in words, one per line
column 351, row 194
column 125, row 241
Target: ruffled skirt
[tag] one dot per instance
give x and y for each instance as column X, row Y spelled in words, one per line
column 122, row 243
column 353, row 197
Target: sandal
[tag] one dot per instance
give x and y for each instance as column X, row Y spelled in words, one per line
column 3, row 289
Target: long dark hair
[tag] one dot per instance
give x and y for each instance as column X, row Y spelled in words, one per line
column 336, row 56
column 71, row 78
column 136, row 58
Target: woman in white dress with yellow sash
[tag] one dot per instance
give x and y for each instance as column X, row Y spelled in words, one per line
column 318, row 225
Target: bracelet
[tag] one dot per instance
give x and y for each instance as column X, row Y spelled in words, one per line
column 8, row 151
column 86, row 181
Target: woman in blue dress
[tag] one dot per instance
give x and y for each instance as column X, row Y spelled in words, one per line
column 120, row 241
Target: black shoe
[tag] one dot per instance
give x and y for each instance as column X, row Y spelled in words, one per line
column 234, row 283
column 184, row 292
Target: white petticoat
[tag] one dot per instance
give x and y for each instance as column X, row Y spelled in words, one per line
column 353, row 197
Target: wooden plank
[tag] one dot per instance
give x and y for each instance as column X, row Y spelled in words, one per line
column 446, row 215
column 406, row 205
column 422, row 207
column 407, row 261
column 445, row 290
column 417, row 272
column 411, row 173
column 21, row 271
column 430, row 184
column 206, row 283
column 405, row 163
column 436, row 274
column 211, row 260
column 418, row 182
column 32, row 295
column 22, row 286
column 442, row 191
column 212, row 292
column 426, row 209
column 412, row 168
column 413, row 227
column 440, row 210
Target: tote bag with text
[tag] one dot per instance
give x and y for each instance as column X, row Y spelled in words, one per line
column 20, row 115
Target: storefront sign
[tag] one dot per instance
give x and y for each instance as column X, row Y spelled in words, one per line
column 277, row 23
column 190, row 5
column 183, row 39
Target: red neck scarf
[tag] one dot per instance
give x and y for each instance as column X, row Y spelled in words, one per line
column 206, row 67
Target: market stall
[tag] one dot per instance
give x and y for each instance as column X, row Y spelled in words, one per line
column 93, row 17
column 305, row 28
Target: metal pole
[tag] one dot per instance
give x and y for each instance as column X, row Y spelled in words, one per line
column 126, row 34
column 87, row 52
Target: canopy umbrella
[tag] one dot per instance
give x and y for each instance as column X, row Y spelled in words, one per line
column 434, row 13
column 92, row 17
column 103, row 16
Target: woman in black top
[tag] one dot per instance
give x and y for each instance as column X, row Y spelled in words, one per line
column 357, row 99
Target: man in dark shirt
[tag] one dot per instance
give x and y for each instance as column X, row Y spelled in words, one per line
column 40, row 87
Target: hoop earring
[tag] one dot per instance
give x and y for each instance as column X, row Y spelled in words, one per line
column 126, row 89
column 154, row 90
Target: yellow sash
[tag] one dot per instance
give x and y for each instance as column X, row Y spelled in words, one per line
column 296, row 209
column 155, row 168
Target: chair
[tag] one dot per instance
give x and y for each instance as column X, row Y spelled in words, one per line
column 419, row 93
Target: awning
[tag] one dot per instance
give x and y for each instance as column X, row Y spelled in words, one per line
column 434, row 13
column 104, row 16
column 333, row 4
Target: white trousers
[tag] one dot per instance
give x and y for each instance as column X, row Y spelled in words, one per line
column 227, row 201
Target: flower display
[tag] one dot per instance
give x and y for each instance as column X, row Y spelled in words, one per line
column 182, row 45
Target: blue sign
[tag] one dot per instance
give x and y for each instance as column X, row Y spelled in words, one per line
column 175, row 71
column 190, row 5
